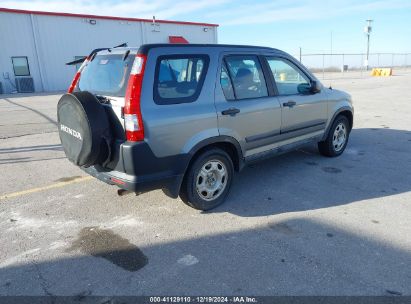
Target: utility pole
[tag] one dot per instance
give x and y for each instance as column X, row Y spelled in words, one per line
column 367, row 31
column 331, row 43
column 300, row 54
column 331, row 49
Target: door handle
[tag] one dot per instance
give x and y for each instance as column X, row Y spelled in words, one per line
column 289, row 103
column 231, row 111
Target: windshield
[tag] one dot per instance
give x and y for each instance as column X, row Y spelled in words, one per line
column 107, row 75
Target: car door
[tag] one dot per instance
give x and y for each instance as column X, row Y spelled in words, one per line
column 303, row 112
column 247, row 108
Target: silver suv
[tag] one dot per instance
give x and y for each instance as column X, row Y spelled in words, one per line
column 183, row 118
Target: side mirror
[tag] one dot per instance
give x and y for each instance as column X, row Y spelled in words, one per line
column 315, row 87
column 304, row 88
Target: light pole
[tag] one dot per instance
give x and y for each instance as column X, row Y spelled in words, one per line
column 367, row 31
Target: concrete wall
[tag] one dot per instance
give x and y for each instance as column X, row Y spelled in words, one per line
column 50, row 41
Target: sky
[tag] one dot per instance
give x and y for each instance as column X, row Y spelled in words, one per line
column 286, row 25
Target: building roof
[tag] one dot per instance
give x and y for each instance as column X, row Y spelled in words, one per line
column 17, row 11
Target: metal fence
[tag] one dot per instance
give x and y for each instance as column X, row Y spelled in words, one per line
column 344, row 64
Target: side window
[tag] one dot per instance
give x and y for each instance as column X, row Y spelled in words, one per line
column 20, row 66
column 179, row 79
column 247, row 76
column 288, row 78
column 226, row 84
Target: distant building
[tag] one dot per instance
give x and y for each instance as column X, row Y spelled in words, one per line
column 34, row 46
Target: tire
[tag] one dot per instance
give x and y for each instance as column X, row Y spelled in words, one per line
column 84, row 129
column 200, row 190
column 337, row 138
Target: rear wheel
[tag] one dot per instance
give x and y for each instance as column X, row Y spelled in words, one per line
column 208, row 180
column 337, row 138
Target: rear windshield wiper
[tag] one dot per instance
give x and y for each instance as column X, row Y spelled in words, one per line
column 93, row 53
column 103, row 99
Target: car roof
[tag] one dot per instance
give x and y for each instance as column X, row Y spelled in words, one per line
column 145, row 48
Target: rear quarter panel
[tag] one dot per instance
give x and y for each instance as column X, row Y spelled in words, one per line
column 176, row 128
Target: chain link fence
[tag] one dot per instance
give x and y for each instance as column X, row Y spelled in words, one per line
column 327, row 66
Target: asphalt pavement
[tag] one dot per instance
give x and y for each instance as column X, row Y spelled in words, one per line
column 297, row 224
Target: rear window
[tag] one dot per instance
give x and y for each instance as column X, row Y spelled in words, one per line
column 107, row 75
column 179, row 78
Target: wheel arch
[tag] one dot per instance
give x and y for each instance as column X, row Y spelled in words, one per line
column 344, row 111
column 226, row 143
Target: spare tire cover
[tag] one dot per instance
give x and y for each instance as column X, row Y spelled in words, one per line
column 83, row 128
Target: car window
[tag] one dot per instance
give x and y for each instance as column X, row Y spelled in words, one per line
column 226, row 84
column 179, row 79
column 247, row 76
column 106, row 75
column 288, row 78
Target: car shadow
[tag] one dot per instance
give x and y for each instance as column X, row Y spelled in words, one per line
column 291, row 257
column 376, row 163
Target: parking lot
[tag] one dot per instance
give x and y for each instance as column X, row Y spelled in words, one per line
column 297, row 224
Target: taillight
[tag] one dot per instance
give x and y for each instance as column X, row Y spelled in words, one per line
column 77, row 76
column 133, row 120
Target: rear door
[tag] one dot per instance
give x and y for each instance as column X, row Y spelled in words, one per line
column 302, row 111
column 106, row 76
column 246, row 105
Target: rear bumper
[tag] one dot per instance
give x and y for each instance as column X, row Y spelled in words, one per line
column 136, row 168
column 169, row 184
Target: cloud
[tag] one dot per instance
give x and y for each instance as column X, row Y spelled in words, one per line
column 224, row 12
column 276, row 11
column 127, row 8
column 183, row 8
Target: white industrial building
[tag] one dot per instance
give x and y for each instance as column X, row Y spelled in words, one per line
column 34, row 46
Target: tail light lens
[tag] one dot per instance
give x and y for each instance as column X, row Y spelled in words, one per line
column 77, row 76
column 133, row 120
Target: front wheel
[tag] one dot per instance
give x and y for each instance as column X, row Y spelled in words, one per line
column 337, row 138
column 208, row 180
